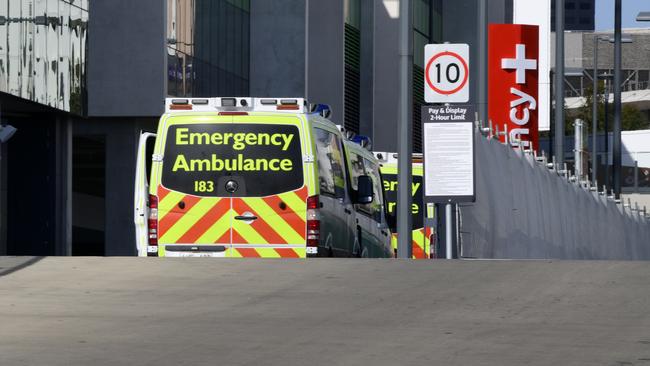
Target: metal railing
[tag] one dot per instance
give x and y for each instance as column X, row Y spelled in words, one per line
column 626, row 87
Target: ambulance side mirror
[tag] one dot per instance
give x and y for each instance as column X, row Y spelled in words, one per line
column 364, row 190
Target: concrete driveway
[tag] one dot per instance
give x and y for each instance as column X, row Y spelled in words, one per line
column 139, row 311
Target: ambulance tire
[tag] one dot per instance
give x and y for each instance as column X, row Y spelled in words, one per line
column 330, row 252
column 364, row 253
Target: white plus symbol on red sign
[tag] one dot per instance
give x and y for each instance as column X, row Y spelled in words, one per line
column 519, row 63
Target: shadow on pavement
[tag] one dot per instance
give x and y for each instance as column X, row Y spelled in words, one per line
column 9, row 265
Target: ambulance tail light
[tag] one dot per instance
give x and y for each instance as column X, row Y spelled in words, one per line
column 313, row 224
column 152, row 249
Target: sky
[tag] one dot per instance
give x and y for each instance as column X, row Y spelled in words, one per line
column 605, row 14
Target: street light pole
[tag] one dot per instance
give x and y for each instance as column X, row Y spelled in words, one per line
column 617, row 101
column 404, row 179
column 594, row 116
column 607, row 183
column 482, row 67
column 559, row 82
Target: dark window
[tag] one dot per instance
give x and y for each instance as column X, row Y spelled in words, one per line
column 356, row 169
column 390, row 183
column 585, row 6
column 569, row 5
column 330, row 163
column 584, row 20
column 266, row 159
column 360, row 166
column 352, row 88
column 376, row 207
column 208, row 48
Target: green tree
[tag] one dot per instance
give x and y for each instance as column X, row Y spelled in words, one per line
column 631, row 117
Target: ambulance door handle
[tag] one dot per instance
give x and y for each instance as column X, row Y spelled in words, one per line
column 245, row 217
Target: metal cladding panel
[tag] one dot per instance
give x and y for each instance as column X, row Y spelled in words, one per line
column 513, row 60
column 277, row 46
column 126, row 63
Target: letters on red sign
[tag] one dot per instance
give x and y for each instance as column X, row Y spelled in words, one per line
column 513, row 82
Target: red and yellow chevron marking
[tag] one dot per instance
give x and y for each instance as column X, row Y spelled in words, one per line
column 204, row 220
column 271, row 252
column 281, row 221
column 420, row 247
column 421, row 243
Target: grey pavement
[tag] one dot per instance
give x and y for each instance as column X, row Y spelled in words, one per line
column 146, row 311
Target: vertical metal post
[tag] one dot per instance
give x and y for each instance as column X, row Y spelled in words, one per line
column 482, row 66
column 616, row 160
column 578, row 149
column 3, row 197
column 594, row 116
column 607, row 134
column 636, row 176
column 559, row 82
column 449, row 232
column 404, row 179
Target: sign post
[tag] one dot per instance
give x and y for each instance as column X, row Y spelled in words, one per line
column 449, row 174
column 448, row 137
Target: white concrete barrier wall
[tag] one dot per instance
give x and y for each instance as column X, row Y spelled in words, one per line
column 524, row 210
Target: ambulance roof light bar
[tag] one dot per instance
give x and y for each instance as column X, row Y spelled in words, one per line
column 290, row 105
column 235, row 104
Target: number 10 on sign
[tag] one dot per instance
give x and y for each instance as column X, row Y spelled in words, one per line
column 446, row 73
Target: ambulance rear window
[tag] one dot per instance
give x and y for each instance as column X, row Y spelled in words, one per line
column 417, row 207
column 263, row 159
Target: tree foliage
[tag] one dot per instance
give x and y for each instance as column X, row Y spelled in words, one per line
column 631, row 117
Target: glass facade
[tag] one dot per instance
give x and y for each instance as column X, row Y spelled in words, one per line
column 43, row 51
column 208, row 48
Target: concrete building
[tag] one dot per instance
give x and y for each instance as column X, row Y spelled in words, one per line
column 81, row 78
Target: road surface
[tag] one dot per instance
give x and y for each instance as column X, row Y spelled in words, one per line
column 146, row 311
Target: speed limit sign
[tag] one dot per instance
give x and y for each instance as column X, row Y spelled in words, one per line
column 446, row 73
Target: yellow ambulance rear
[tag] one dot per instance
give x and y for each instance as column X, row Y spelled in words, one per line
column 422, row 215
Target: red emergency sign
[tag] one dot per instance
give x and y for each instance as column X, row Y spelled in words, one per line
column 513, row 82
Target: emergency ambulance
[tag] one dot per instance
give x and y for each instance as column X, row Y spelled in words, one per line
column 250, row 177
column 373, row 230
column 423, row 219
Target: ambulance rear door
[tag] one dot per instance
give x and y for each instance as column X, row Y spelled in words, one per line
column 141, row 190
column 389, row 178
column 269, row 203
column 194, row 194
